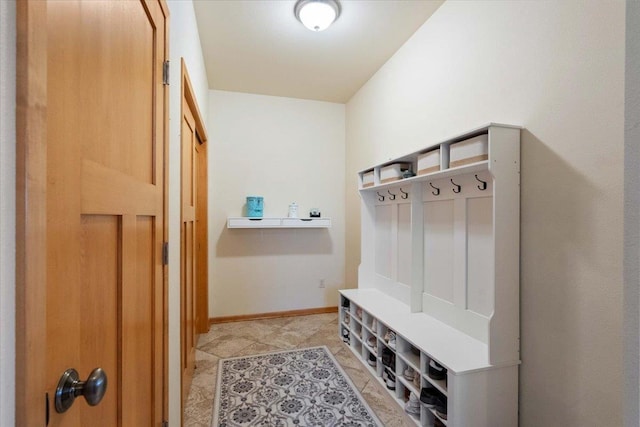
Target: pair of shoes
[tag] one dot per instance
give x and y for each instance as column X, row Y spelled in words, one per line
column 416, row 380
column 409, row 373
column 359, row 313
column 346, row 303
column 388, row 358
column 390, row 338
column 389, row 379
column 437, row 371
column 413, row 405
column 347, row 318
column 429, row 396
column 441, row 407
column 374, row 326
column 372, row 360
column 345, row 335
column 371, row 341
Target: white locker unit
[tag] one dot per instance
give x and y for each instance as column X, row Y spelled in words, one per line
column 440, row 267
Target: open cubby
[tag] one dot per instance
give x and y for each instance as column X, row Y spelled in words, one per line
column 440, row 268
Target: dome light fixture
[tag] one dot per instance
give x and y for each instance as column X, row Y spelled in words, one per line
column 317, row 15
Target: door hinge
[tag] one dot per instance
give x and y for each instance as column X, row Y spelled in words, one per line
column 165, row 73
column 165, row 253
column 46, row 409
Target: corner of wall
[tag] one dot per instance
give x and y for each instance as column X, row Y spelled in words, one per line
column 7, row 209
column 632, row 218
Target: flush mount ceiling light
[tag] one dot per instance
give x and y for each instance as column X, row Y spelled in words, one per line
column 317, row 15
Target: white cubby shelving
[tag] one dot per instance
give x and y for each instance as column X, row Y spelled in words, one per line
column 440, row 267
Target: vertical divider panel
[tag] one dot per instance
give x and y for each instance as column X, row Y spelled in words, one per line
column 480, row 256
column 439, row 249
column 368, row 220
column 417, row 246
column 460, row 252
column 383, row 221
column 404, row 244
column 393, row 255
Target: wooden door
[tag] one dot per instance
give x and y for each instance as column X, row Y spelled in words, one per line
column 188, row 246
column 105, row 204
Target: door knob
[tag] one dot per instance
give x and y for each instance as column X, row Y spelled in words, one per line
column 70, row 387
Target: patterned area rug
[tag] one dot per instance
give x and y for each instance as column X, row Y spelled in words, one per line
column 304, row 387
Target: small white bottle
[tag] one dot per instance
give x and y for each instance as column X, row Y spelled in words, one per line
column 293, row 210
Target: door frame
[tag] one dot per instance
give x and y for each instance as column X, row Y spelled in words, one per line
column 187, row 94
column 31, row 213
column 201, row 300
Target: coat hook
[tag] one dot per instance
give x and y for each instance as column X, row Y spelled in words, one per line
column 404, row 195
column 484, row 184
column 435, row 193
column 391, row 195
column 458, row 187
column 380, row 196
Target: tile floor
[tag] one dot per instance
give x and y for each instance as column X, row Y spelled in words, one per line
column 268, row 335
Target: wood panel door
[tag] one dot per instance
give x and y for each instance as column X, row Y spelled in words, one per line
column 188, row 238
column 105, row 203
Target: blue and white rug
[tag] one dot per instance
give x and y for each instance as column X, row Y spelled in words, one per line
column 305, row 387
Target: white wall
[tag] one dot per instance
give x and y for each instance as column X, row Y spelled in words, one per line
column 557, row 68
column 7, row 209
column 632, row 218
column 285, row 150
column 184, row 42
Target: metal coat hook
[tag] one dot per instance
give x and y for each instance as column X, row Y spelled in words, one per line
column 391, row 195
column 484, row 184
column 458, row 187
column 435, row 193
column 380, row 196
column 404, row 195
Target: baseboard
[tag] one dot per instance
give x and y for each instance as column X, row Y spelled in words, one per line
column 274, row 314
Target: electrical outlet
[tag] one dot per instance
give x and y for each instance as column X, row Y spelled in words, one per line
column 321, row 283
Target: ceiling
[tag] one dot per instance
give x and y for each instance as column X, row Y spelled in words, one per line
column 258, row 46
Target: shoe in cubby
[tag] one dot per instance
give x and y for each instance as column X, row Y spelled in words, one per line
column 412, row 406
column 416, row 380
column 390, row 338
column 374, row 325
column 441, row 407
column 388, row 358
column 391, row 380
column 429, row 397
column 372, row 360
column 436, row 370
column 409, row 373
column 347, row 319
column 345, row 335
column 371, row 341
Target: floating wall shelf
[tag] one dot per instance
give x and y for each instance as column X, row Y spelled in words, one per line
column 245, row 222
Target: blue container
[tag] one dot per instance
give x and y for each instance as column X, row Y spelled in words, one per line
column 255, row 205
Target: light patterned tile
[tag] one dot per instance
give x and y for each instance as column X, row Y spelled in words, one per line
column 309, row 324
column 285, row 339
column 226, row 346
column 258, row 348
column 254, row 330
